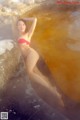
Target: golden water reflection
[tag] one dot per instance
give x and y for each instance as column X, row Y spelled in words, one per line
column 57, row 38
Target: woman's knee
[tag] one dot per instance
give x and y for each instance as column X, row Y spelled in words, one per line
column 37, row 56
column 30, row 73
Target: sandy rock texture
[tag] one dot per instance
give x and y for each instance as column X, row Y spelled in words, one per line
column 9, row 59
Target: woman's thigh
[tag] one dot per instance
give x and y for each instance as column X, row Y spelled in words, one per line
column 31, row 59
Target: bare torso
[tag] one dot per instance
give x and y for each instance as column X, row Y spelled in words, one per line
column 23, row 46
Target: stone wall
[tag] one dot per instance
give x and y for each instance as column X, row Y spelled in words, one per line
column 8, row 56
column 9, row 60
column 10, row 7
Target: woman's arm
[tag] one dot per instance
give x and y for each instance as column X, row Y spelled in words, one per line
column 32, row 28
column 29, row 19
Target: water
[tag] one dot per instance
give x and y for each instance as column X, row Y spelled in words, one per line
column 57, row 40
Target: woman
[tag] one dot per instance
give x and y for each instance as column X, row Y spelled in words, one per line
column 30, row 55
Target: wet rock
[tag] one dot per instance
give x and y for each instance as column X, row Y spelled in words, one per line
column 29, row 1
column 9, row 59
column 74, row 28
column 39, row 1
column 22, row 101
column 5, row 20
column 11, row 7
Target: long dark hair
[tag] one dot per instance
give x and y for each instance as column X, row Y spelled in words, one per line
column 24, row 21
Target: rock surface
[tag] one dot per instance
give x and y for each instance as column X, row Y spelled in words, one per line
column 22, row 102
column 16, row 93
column 10, row 7
column 8, row 63
column 19, row 98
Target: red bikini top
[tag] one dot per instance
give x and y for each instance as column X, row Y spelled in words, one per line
column 22, row 40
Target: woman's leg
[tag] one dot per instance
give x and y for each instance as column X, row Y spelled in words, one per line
column 44, row 87
column 31, row 61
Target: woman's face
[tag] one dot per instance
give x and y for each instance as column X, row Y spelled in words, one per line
column 21, row 26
